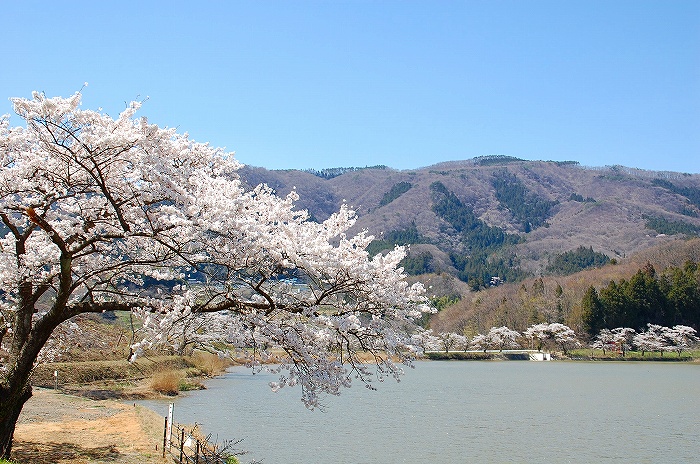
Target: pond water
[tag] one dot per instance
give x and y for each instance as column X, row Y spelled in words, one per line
column 446, row 412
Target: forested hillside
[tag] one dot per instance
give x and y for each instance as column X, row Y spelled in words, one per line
column 659, row 285
column 525, row 214
column 513, row 241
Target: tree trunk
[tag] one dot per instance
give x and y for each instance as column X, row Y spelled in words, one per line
column 12, row 399
column 15, row 388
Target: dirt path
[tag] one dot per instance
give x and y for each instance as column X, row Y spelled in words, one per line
column 59, row 429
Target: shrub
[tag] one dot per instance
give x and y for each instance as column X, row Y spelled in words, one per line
column 166, row 382
column 209, row 364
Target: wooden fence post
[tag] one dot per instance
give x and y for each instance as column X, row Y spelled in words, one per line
column 182, row 444
column 165, row 434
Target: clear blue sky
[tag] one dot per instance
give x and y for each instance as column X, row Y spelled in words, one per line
column 301, row 84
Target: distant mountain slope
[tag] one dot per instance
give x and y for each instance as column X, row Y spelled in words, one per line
column 556, row 298
column 553, row 207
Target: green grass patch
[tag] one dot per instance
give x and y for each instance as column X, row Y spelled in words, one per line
column 588, row 353
column 460, row 356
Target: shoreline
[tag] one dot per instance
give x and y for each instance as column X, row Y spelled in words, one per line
column 59, row 428
column 556, row 356
column 91, row 422
column 91, row 416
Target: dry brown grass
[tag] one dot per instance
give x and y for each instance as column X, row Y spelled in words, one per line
column 170, row 381
column 208, row 364
column 141, row 379
column 166, row 382
column 70, row 373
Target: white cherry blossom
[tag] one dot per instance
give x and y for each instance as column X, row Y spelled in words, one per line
column 102, row 213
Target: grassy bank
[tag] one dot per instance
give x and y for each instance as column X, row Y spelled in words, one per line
column 473, row 356
column 119, row 378
column 598, row 355
column 66, row 426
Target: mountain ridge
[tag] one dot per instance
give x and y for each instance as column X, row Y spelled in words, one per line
column 552, row 206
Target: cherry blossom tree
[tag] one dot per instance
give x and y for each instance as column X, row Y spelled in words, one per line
column 462, row 342
column 95, row 208
column 481, row 342
column 604, row 340
column 538, row 334
column 623, row 338
column 559, row 334
column 563, row 335
column 449, row 340
column 655, row 338
column 503, row 338
column 682, row 338
column 620, row 338
column 497, row 338
column 427, row 340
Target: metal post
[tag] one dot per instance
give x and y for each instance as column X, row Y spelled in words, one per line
column 170, row 423
column 196, row 454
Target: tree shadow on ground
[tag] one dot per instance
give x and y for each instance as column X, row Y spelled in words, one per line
column 50, row 453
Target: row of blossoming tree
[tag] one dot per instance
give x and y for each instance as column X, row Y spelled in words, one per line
column 656, row 338
column 94, row 209
column 537, row 336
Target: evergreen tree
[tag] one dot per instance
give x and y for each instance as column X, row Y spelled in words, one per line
column 683, row 296
column 667, row 300
column 593, row 313
column 614, row 303
column 576, row 260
